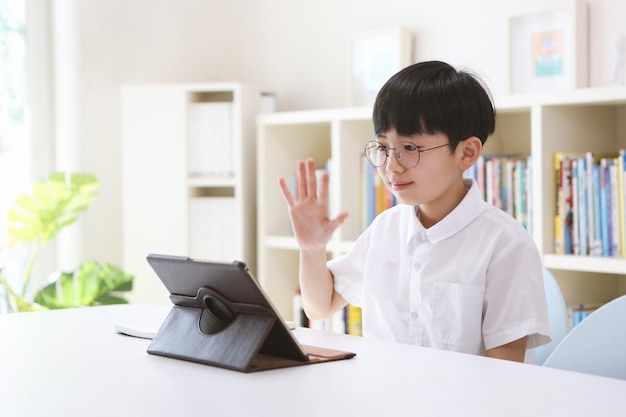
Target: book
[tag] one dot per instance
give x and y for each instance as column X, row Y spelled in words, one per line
column 570, row 203
column 597, row 206
column 519, row 196
column 529, row 194
column 580, row 312
column 621, row 172
column 375, row 196
column 504, row 182
column 583, row 236
column 570, row 210
column 368, row 192
column 353, row 320
column 214, row 231
column 614, row 249
column 210, row 140
column 559, row 236
column 605, row 201
column 590, row 204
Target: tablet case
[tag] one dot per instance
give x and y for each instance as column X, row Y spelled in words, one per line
column 236, row 328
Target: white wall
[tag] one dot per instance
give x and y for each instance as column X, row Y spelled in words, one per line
column 295, row 48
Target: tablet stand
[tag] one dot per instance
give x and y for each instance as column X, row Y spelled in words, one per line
column 211, row 329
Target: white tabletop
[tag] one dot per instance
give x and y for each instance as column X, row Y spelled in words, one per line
column 72, row 363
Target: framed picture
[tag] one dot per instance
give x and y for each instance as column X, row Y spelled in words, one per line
column 549, row 49
column 374, row 57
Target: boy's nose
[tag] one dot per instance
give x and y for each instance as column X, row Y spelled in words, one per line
column 393, row 164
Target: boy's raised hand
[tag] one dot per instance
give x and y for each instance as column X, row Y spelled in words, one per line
column 308, row 210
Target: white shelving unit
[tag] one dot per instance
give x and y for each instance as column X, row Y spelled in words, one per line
column 536, row 125
column 158, row 189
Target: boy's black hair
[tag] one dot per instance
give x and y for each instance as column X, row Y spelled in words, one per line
column 432, row 97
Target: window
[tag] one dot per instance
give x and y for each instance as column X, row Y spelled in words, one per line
column 14, row 140
column 14, row 129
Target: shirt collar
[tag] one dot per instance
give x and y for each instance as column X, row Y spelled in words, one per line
column 468, row 209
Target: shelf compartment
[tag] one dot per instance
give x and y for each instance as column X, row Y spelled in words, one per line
column 599, row 264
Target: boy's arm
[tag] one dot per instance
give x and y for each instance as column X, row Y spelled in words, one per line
column 319, row 298
column 513, row 351
column 313, row 228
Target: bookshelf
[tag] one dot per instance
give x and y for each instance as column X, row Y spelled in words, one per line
column 536, row 125
column 188, row 167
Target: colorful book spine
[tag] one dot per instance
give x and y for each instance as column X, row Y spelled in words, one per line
column 505, row 182
column 375, row 196
column 354, row 320
column 604, row 206
column 583, row 237
column 581, row 312
column 597, row 205
column 368, row 174
column 594, row 245
column 559, row 237
column 590, row 204
column 622, row 201
column 570, row 197
column 614, row 214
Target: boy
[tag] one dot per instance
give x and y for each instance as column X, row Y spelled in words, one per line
column 443, row 268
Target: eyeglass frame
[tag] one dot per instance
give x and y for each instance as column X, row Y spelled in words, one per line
column 388, row 148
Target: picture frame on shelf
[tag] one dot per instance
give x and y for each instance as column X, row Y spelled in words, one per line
column 374, row 57
column 548, row 48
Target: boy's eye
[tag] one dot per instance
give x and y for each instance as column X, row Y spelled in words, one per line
column 409, row 147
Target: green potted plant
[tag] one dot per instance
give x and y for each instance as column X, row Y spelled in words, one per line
column 35, row 218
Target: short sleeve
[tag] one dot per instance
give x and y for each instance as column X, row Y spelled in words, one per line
column 515, row 303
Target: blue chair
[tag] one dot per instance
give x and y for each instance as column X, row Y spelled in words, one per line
column 557, row 315
column 597, row 345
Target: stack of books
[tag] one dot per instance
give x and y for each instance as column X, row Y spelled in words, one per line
column 210, row 146
column 210, row 140
column 589, row 217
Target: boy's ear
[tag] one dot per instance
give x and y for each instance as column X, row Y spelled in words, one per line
column 470, row 151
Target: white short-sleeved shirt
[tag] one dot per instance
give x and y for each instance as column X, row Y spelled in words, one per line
column 469, row 283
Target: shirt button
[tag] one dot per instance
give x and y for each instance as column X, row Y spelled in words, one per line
column 414, row 315
column 425, row 235
column 417, row 266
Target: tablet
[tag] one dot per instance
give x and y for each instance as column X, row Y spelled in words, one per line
column 221, row 316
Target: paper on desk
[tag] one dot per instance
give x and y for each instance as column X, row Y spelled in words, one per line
column 143, row 329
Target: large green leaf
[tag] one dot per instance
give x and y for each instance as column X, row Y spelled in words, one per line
column 16, row 302
column 50, row 205
column 93, row 284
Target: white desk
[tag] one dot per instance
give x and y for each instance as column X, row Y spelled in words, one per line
column 71, row 363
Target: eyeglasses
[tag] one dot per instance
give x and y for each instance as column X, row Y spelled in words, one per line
column 407, row 153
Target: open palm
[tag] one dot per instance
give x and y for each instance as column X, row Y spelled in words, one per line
column 308, row 209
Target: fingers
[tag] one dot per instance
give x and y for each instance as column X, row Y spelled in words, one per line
column 323, row 188
column 303, row 179
column 301, row 187
column 306, row 179
column 311, row 177
column 306, row 183
column 307, row 195
column 284, row 188
column 338, row 221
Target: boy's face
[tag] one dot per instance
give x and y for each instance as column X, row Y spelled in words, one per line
column 436, row 182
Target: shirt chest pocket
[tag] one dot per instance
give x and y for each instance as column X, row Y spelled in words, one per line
column 457, row 313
